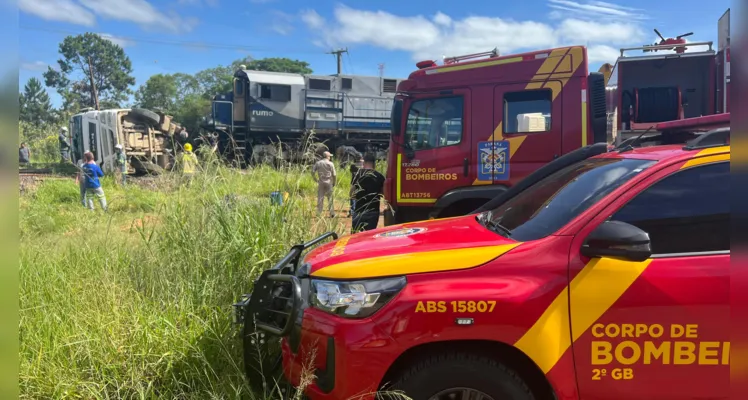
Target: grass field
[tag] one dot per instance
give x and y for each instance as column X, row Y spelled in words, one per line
column 136, row 302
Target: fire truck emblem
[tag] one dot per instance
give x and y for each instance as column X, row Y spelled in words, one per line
column 400, row 232
column 493, row 160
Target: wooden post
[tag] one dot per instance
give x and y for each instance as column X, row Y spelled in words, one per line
column 94, row 95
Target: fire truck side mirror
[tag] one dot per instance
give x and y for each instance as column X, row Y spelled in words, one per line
column 618, row 239
column 396, row 119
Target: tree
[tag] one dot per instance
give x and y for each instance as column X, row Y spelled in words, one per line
column 191, row 111
column 187, row 85
column 35, row 106
column 277, row 64
column 159, row 92
column 213, row 81
column 83, row 54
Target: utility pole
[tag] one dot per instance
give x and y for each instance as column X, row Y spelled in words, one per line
column 94, row 95
column 339, row 55
column 381, row 70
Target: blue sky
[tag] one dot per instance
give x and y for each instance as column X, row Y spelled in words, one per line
column 168, row 36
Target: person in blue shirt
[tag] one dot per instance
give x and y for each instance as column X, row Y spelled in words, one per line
column 91, row 175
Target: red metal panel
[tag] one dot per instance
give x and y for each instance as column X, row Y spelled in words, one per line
column 705, row 122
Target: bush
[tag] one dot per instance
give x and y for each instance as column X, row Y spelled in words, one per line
column 42, row 141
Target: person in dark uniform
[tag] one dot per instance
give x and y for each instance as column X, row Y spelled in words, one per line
column 354, row 168
column 24, row 154
column 367, row 189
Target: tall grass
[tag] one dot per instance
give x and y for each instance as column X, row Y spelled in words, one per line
column 136, row 302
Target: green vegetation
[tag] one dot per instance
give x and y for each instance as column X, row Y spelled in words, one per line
column 86, row 59
column 136, row 302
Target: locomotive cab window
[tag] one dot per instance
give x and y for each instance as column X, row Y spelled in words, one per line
column 528, row 111
column 275, row 92
column 434, row 123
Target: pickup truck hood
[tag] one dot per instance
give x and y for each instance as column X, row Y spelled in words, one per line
column 428, row 246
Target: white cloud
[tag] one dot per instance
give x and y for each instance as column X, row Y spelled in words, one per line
column 602, row 54
column 442, row 19
column 312, row 19
column 594, row 9
column 37, row 66
column 120, row 41
column 84, row 12
column 603, row 27
column 281, row 23
column 597, row 32
column 140, row 12
column 58, row 10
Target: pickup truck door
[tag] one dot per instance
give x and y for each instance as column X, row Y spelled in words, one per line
column 658, row 329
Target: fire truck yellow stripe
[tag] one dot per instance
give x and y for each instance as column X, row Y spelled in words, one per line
column 399, row 193
column 414, row 263
column 589, row 295
column 550, row 63
column 399, row 174
column 478, row 65
column 553, row 74
column 584, row 118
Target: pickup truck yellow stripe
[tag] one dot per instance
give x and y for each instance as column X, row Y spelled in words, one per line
column 589, row 295
column 414, row 263
column 710, row 155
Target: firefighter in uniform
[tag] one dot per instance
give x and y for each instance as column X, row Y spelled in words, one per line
column 189, row 162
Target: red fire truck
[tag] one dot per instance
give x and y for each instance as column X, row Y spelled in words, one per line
column 465, row 131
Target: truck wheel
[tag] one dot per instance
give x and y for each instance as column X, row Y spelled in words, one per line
column 460, row 376
column 146, row 115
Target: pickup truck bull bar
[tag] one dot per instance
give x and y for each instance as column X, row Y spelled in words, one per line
column 274, row 301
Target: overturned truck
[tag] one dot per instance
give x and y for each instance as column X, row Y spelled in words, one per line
column 145, row 135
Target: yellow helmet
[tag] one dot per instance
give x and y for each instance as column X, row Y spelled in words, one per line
column 187, row 147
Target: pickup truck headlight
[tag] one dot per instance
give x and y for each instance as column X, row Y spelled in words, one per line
column 354, row 299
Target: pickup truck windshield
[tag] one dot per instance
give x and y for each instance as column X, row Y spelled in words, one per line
column 551, row 203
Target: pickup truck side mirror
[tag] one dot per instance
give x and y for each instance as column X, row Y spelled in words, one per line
column 618, row 239
column 397, row 117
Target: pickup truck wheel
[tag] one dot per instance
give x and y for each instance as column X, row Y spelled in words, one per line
column 460, row 376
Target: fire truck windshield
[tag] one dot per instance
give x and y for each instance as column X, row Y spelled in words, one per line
column 434, row 122
column 551, row 203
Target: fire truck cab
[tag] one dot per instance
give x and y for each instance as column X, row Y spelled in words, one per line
column 465, row 131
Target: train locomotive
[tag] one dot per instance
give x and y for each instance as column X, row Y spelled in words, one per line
column 274, row 116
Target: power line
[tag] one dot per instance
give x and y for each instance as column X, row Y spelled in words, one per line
column 350, row 64
column 175, row 42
